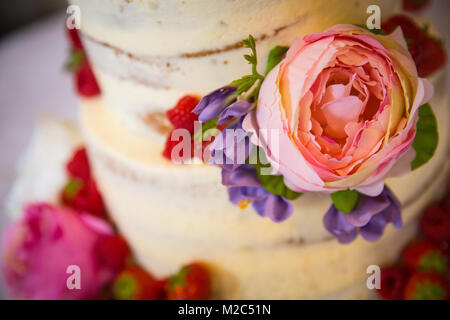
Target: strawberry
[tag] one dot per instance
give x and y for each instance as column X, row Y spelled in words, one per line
column 429, row 55
column 74, row 38
column 410, row 30
column 192, row 282
column 393, row 280
column 181, row 115
column 78, row 165
column 158, row 290
column 113, row 251
column 427, row 52
column 86, row 83
column 424, row 255
column 415, row 5
column 84, row 196
column 445, row 203
column 435, row 224
column 426, row 286
column 81, row 191
column 134, row 283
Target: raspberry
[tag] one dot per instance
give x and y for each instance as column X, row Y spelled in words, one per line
column 181, row 115
column 167, row 152
column 170, row 144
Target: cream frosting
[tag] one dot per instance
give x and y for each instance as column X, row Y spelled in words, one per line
column 144, row 66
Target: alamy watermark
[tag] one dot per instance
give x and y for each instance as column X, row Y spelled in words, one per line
column 73, row 20
column 73, row 281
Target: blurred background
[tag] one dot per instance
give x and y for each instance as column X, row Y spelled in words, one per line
column 33, row 49
column 14, row 14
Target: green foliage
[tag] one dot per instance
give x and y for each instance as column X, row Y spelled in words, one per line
column 427, row 137
column 275, row 57
column 345, row 200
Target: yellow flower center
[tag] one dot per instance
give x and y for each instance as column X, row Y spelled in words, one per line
column 243, row 203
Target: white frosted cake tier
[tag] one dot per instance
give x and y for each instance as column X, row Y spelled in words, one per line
column 147, row 54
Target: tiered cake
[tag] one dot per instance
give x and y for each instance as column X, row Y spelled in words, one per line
column 146, row 55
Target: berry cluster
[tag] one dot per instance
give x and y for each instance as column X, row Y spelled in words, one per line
column 192, row 282
column 423, row 272
column 182, row 117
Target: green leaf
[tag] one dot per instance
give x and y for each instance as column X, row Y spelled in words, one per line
column 72, row 187
column 426, row 140
column 75, row 60
column 276, row 185
column 206, row 126
column 272, row 183
column 374, row 31
column 345, row 200
column 275, row 57
column 244, row 84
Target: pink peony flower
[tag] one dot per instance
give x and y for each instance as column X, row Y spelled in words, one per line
column 345, row 105
column 39, row 248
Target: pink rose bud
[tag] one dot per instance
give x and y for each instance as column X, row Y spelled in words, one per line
column 50, row 253
column 345, row 105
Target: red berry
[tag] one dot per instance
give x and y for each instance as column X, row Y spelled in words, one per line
column 410, row 30
column 415, row 5
column 78, row 165
column 134, row 283
column 393, row 280
column 86, row 83
column 429, row 56
column 84, row 196
column 427, row 52
column 192, row 282
column 426, row 286
column 158, row 290
column 424, row 255
column 170, row 144
column 181, row 115
column 435, row 224
column 113, row 252
column 74, row 38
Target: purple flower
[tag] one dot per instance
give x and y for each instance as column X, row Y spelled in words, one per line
column 231, row 146
column 369, row 218
column 235, row 110
column 212, row 105
column 244, row 188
